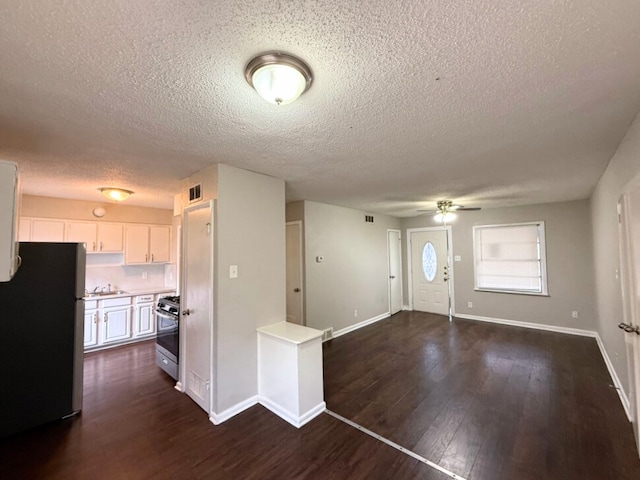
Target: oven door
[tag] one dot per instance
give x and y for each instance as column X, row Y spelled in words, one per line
column 167, row 335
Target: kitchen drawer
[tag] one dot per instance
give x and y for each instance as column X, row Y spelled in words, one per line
column 90, row 304
column 116, row 302
column 144, row 298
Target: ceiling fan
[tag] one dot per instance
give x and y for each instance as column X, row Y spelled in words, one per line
column 446, row 210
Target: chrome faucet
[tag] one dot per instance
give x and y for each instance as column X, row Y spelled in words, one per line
column 95, row 290
column 109, row 288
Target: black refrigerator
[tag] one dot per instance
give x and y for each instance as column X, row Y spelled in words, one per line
column 42, row 336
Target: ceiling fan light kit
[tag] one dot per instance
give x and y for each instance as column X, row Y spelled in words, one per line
column 445, row 210
column 279, row 78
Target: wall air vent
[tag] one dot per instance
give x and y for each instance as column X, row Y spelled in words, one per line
column 195, row 193
column 368, row 218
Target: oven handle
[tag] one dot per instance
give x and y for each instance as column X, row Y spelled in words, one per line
column 163, row 314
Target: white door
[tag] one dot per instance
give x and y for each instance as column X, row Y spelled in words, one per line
column 429, row 271
column 294, row 273
column 629, row 209
column 394, row 253
column 197, row 304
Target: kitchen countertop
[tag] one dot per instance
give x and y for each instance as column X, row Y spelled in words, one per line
column 131, row 293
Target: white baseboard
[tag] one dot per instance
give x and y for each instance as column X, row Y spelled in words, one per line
column 218, row 418
column 616, row 381
column 286, row 415
column 364, row 323
column 535, row 326
column 571, row 331
column 407, row 308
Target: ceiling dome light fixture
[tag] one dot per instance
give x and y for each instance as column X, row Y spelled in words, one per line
column 278, row 78
column 117, row 194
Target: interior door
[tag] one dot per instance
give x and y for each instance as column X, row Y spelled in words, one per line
column 294, row 273
column 629, row 210
column 196, row 303
column 429, row 271
column 394, row 249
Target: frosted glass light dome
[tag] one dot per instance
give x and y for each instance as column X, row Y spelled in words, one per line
column 278, row 78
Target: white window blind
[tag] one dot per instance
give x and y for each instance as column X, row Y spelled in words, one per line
column 510, row 258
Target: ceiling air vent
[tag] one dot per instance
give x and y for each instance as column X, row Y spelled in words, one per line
column 368, row 218
column 195, row 193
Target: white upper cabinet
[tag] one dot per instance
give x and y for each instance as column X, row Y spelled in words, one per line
column 99, row 237
column 47, row 230
column 147, row 244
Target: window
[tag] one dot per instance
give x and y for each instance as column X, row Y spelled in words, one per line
column 510, row 258
column 429, row 262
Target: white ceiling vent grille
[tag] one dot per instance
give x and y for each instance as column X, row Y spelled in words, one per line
column 195, row 193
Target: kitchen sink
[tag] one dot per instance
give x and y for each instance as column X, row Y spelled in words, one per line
column 104, row 294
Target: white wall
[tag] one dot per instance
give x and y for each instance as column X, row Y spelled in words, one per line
column 623, row 167
column 569, row 265
column 250, row 234
column 354, row 273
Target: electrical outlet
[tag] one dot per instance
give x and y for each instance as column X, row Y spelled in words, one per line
column 355, row 313
column 469, row 304
column 574, row 314
column 145, row 275
column 233, row 271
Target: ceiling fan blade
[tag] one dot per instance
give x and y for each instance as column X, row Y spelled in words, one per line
column 427, row 211
column 468, row 209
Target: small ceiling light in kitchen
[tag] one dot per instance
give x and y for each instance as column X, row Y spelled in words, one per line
column 117, row 194
column 278, row 78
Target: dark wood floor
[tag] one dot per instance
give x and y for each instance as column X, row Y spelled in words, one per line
column 136, row 426
column 485, row 401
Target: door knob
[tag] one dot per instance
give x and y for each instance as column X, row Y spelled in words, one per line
column 296, row 289
column 392, row 276
column 186, row 312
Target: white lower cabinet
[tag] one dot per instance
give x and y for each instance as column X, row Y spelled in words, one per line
column 116, row 320
column 91, row 324
column 144, row 319
column 112, row 321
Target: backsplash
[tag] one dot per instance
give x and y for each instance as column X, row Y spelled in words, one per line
column 130, row 277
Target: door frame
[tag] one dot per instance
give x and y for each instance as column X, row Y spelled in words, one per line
column 300, row 263
column 447, row 229
column 389, row 269
column 628, row 284
column 180, row 385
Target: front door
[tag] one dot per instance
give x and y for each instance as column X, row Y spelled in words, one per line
column 394, row 253
column 294, row 273
column 629, row 210
column 196, row 304
column 430, row 271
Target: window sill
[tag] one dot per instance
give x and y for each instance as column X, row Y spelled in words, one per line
column 512, row 292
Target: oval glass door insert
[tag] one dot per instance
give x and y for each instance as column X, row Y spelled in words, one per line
column 429, row 262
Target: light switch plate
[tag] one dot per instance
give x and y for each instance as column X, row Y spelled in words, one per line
column 233, row 271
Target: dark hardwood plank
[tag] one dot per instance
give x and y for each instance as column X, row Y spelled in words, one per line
column 486, row 401
column 134, row 425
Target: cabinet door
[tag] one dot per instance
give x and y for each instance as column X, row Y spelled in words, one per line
column 159, row 241
column 116, row 324
column 47, row 230
column 24, row 229
column 144, row 320
column 110, row 237
column 136, row 245
column 83, row 232
column 90, row 328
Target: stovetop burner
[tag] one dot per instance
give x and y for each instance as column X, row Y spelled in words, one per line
column 169, row 300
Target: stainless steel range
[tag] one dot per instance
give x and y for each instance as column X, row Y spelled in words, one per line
column 168, row 334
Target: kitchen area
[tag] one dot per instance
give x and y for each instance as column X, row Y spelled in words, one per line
column 130, row 263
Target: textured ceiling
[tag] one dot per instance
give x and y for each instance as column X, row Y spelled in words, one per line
column 486, row 102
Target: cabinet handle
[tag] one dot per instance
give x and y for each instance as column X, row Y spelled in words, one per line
column 95, row 317
column 146, row 257
column 106, row 317
column 100, row 246
column 94, row 246
column 152, row 258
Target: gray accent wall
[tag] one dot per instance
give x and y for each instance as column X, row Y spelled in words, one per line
column 622, row 169
column 354, row 273
column 569, row 265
